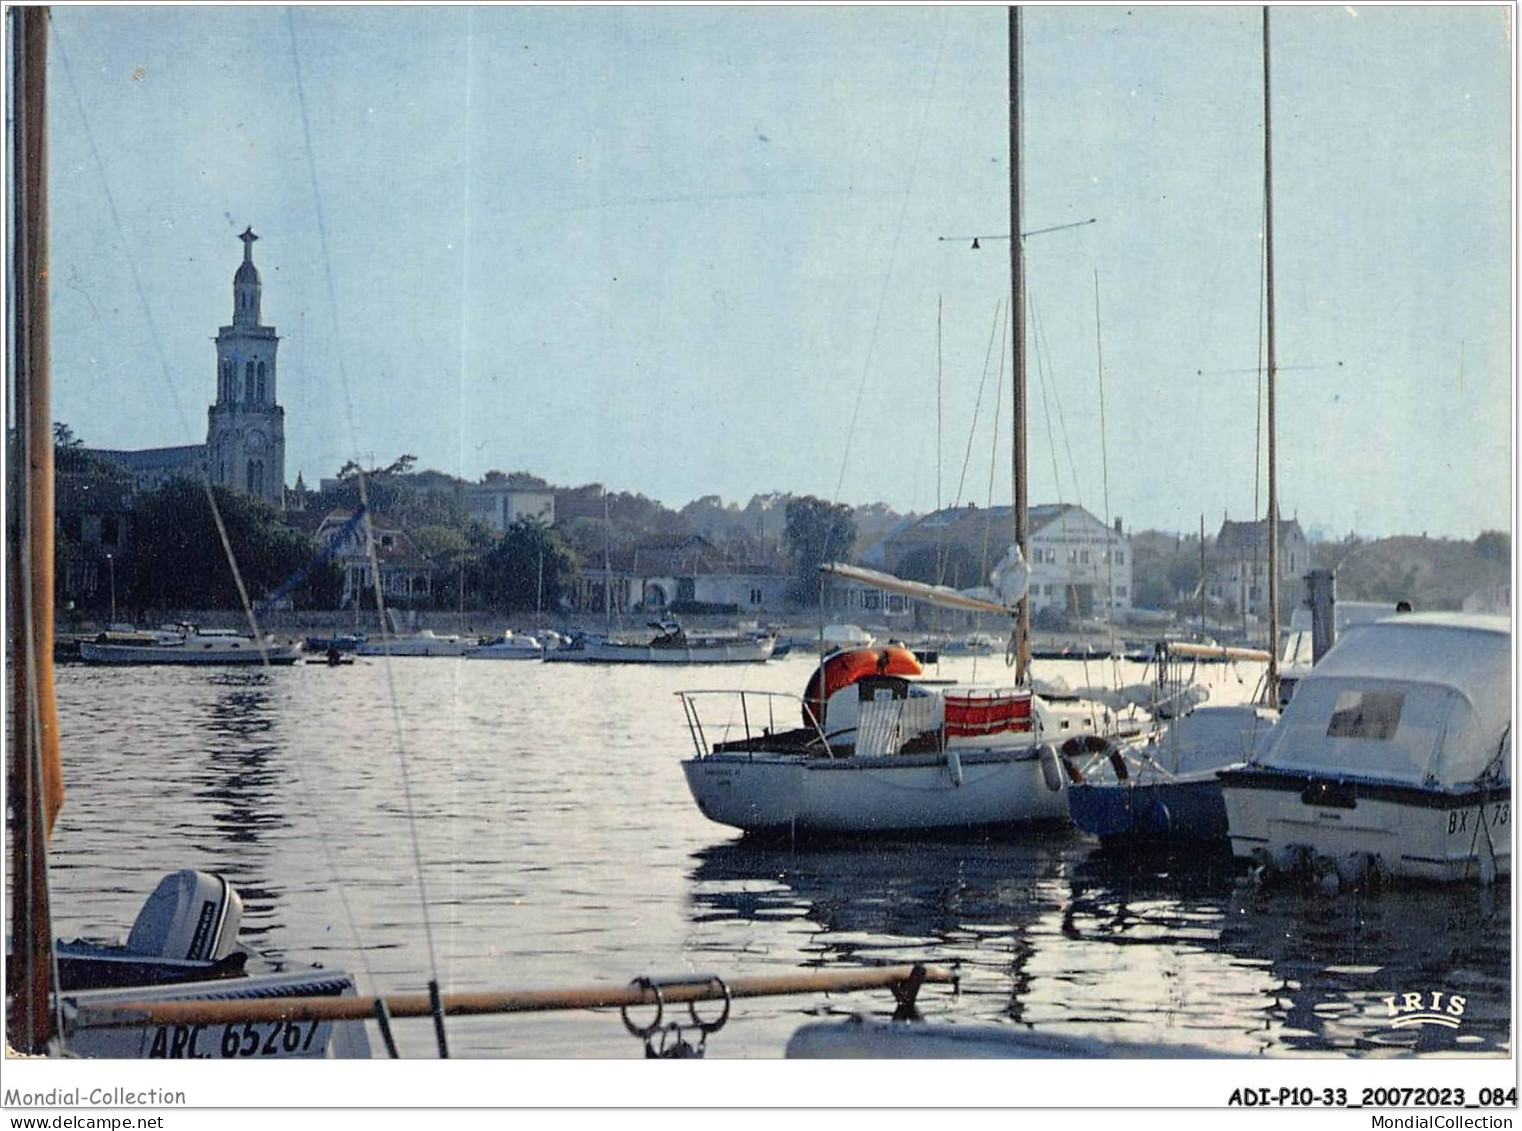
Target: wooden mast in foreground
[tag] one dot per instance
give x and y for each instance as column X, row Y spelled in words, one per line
column 37, row 776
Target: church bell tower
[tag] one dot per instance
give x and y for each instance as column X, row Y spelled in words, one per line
column 245, row 428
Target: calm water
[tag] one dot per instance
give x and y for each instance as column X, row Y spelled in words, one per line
column 559, row 847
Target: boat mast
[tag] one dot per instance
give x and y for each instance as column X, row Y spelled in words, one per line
column 1272, row 688
column 38, row 777
column 1017, row 318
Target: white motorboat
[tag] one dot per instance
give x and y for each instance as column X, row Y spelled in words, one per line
column 1298, row 654
column 1393, row 758
column 183, row 948
column 671, row 645
column 423, row 643
column 879, row 752
column 835, row 636
column 973, row 644
column 188, row 644
column 509, row 646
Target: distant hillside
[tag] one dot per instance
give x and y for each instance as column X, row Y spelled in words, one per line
column 1431, row 573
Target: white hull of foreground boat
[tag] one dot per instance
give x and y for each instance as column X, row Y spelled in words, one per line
column 1412, row 833
column 609, row 652
column 195, row 650
column 859, row 1038
column 945, row 792
column 262, row 1040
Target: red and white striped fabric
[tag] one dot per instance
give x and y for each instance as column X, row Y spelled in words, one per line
column 973, row 715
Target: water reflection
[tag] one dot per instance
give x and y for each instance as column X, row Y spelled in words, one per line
column 1338, row 959
column 239, row 787
column 1147, row 947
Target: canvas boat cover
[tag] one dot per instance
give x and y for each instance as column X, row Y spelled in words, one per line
column 1421, row 699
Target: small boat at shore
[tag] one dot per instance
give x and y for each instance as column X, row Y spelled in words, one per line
column 188, row 644
column 509, row 646
column 671, row 645
column 423, row 643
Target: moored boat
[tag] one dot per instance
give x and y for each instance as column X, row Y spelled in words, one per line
column 1392, row 759
column 878, row 752
column 422, row 643
column 671, row 645
column 189, row 644
column 183, row 947
column 1166, row 790
column 508, row 646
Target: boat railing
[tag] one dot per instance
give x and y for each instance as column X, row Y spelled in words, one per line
column 758, row 715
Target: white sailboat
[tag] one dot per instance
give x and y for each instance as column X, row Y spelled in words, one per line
column 878, row 752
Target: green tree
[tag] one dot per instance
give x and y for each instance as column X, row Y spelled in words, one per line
column 412, row 499
column 1494, row 545
column 816, row 532
column 178, row 560
column 71, row 457
column 530, row 567
column 952, row 564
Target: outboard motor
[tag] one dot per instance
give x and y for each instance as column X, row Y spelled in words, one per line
column 190, row 915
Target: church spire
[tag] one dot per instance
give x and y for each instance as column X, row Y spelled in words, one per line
column 246, row 284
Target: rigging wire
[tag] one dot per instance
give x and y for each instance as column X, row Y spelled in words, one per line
column 1104, row 458
column 882, row 299
column 303, row 792
column 370, row 551
column 1043, row 365
column 977, row 407
column 993, row 458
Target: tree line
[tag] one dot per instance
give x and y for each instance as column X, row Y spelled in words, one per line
column 176, row 554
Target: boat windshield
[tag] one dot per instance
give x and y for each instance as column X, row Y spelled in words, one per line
column 1377, row 729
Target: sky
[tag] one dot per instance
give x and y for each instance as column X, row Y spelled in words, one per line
column 694, row 251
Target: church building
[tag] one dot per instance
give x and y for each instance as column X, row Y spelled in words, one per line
column 245, row 428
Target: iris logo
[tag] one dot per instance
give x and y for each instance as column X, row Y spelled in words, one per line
column 1433, row 1008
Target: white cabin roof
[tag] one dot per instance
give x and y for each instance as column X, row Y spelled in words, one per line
column 1422, row 698
column 1460, row 649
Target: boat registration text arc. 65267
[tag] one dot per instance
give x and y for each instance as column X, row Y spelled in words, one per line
column 266, row 1040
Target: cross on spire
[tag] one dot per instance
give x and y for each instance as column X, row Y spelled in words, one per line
column 248, row 239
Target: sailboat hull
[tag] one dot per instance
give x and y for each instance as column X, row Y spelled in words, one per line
column 1159, row 812
column 971, row 789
